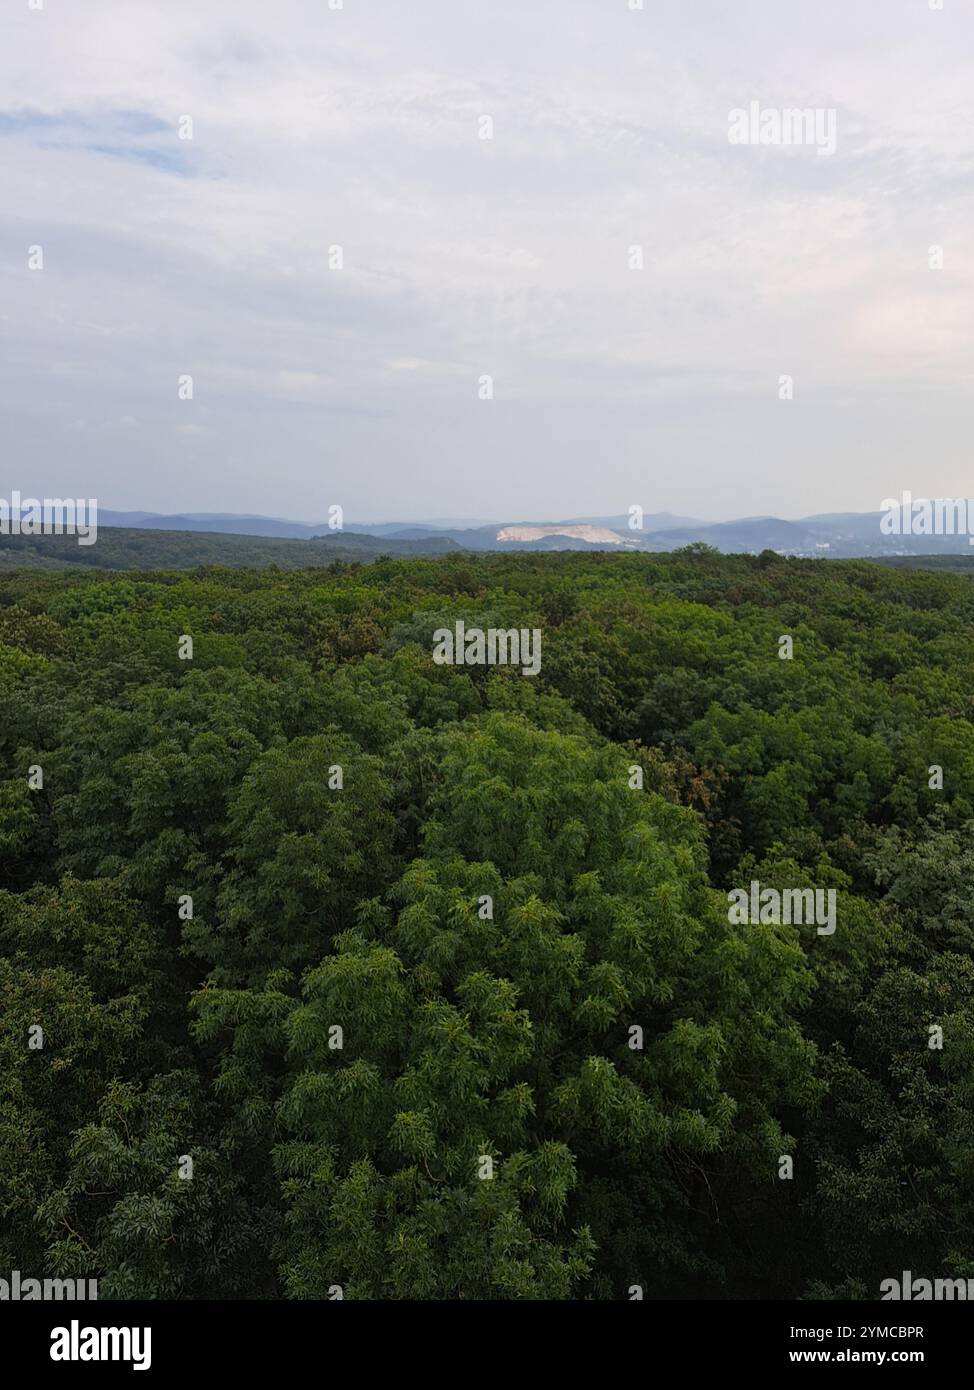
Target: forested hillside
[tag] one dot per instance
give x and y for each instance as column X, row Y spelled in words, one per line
column 122, row 548
column 457, row 1009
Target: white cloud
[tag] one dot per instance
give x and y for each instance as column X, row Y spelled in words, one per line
column 465, row 256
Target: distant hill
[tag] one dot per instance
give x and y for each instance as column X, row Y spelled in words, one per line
column 833, row 535
column 125, row 548
column 213, row 523
column 244, row 524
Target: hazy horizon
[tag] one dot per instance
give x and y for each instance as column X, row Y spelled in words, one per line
column 453, row 522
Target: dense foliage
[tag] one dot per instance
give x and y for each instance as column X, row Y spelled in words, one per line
column 398, row 1037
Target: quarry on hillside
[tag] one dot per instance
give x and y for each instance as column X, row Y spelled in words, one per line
column 598, row 535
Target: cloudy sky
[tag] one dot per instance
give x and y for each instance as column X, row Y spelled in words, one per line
column 465, row 257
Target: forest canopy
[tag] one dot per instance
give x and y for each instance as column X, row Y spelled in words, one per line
column 324, row 966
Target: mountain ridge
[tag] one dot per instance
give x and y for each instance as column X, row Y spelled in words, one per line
column 841, row 535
